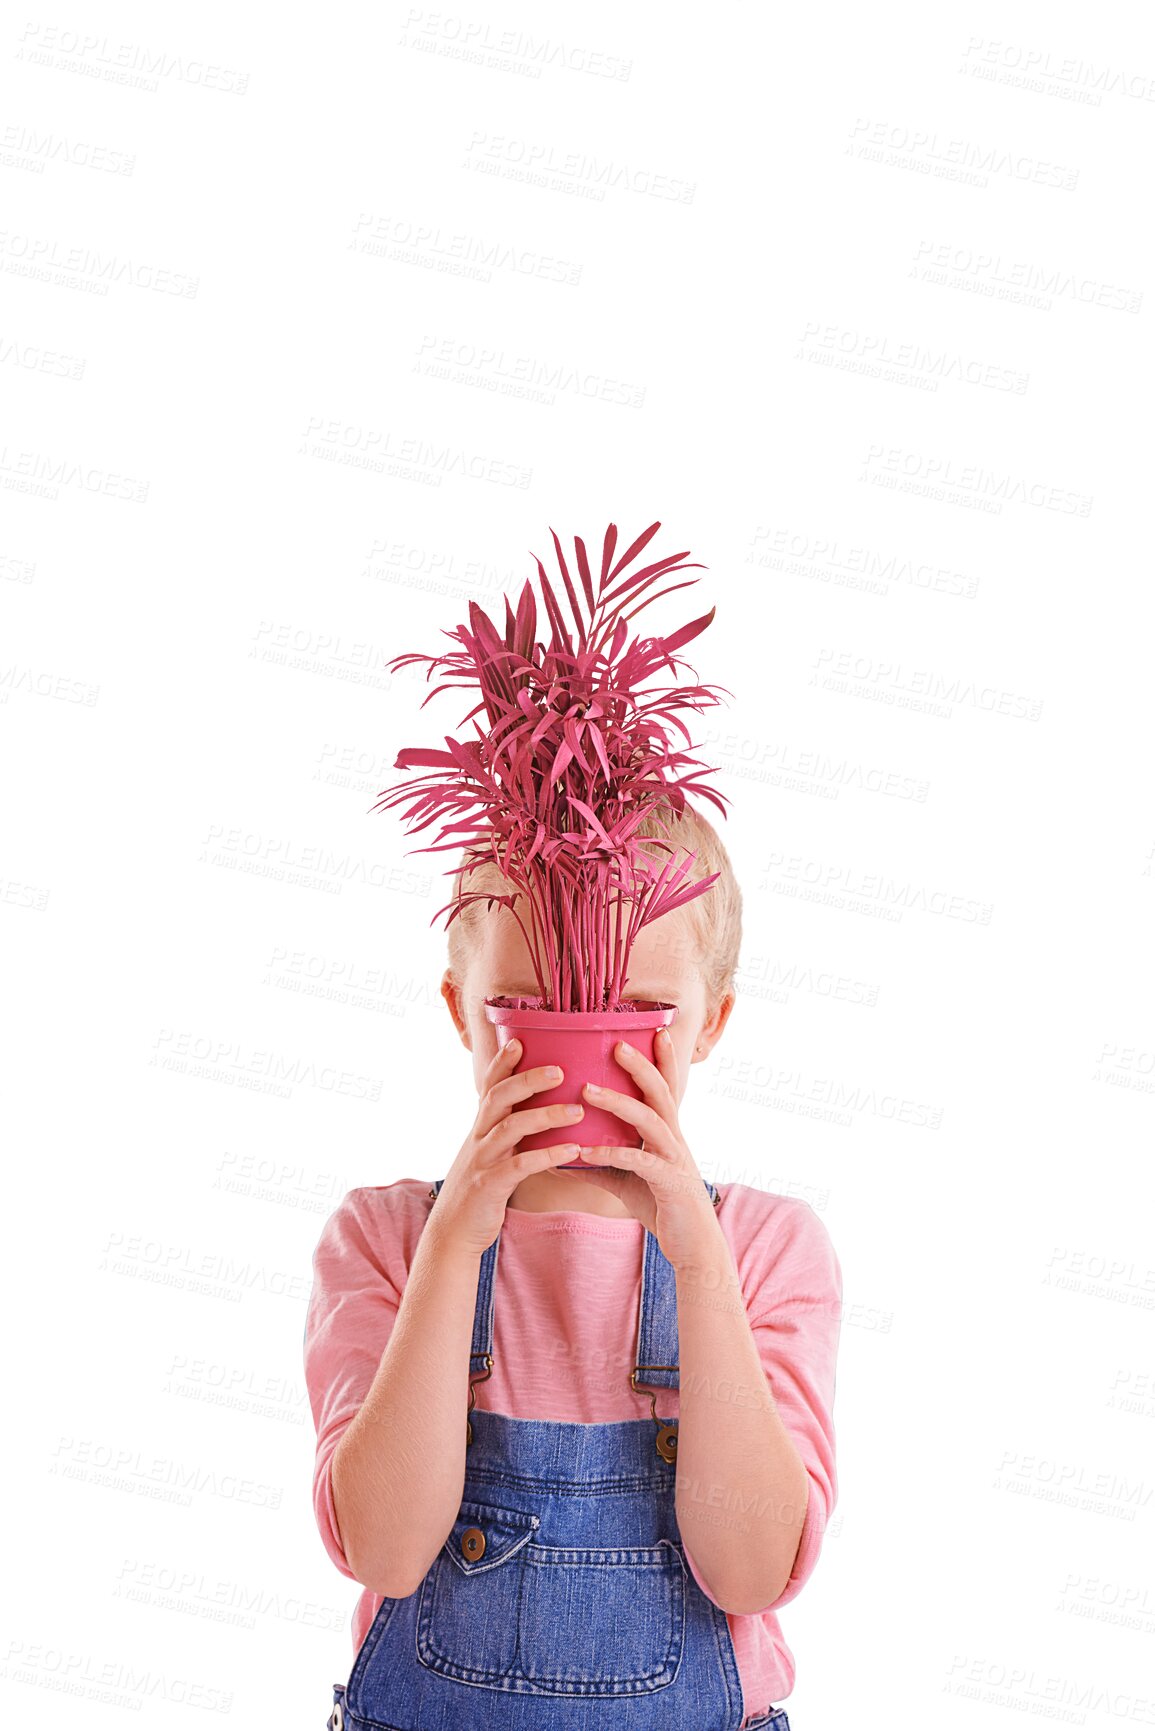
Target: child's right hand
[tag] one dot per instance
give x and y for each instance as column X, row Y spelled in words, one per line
column 470, row 1205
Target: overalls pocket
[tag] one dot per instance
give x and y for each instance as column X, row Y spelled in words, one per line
column 609, row 1621
column 467, row 1612
column 500, row 1610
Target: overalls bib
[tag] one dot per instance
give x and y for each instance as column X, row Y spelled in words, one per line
column 561, row 1600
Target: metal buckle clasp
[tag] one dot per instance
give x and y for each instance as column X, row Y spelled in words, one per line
column 666, row 1441
column 488, row 1371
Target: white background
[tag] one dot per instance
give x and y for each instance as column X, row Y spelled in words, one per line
column 315, row 324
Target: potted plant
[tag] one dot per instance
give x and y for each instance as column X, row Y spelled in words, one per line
column 577, row 748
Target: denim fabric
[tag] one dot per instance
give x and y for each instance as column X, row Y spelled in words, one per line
column 561, row 1599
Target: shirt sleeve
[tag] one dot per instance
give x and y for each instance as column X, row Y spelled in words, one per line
column 795, row 1314
column 352, row 1308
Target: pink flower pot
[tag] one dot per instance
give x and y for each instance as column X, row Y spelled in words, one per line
column 583, row 1046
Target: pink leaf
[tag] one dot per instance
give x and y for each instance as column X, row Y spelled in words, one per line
column 414, row 757
column 584, row 568
column 573, row 600
column 687, row 632
column 563, row 756
column 591, row 816
column 608, row 546
column 643, row 540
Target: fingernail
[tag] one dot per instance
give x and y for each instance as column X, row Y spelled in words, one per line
column 513, row 1047
column 573, row 1111
column 592, row 1088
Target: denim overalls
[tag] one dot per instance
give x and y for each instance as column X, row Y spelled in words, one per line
column 561, row 1600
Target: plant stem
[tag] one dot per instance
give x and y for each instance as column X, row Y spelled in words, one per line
column 617, row 982
column 573, row 949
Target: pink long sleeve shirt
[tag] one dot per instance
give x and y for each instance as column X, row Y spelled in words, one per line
column 565, row 1329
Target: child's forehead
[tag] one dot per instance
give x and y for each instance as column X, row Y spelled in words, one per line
column 671, row 943
column 664, row 958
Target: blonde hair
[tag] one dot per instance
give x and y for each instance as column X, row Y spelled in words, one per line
column 715, row 916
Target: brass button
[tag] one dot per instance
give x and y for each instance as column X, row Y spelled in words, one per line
column 472, row 1544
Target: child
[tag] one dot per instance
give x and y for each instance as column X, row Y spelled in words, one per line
column 487, row 1466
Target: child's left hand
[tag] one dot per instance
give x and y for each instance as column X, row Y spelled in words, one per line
column 659, row 1182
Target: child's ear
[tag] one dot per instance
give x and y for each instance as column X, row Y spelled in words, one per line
column 451, row 992
column 715, row 1022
